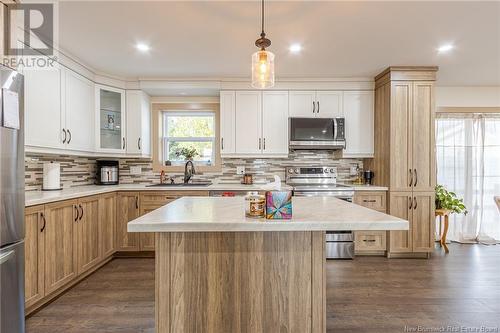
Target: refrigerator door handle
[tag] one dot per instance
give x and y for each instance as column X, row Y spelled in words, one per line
column 6, row 256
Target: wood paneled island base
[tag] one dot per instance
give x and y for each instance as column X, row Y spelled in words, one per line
column 240, row 282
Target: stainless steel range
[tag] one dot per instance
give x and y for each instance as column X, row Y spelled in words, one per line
column 321, row 182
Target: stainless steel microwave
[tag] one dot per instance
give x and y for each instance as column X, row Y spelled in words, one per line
column 317, row 133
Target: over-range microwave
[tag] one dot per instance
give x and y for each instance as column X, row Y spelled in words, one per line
column 317, row 133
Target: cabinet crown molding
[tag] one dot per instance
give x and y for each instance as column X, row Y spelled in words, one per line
column 406, row 73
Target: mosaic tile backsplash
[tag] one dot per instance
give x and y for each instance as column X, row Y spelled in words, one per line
column 79, row 171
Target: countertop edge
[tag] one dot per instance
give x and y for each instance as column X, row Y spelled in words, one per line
column 267, row 226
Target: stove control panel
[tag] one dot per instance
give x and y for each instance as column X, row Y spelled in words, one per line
column 314, row 171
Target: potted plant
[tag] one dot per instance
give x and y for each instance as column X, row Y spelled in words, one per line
column 449, row 201
column 188, row 153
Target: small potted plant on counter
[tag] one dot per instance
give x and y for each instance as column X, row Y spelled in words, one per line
column 449, row 201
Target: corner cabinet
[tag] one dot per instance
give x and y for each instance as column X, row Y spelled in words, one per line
column 110, row 119
column 254, row 124
column 138, row 142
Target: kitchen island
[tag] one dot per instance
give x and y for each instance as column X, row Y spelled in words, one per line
column 218, row 271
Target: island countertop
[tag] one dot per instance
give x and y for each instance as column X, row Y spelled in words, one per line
column 219, row 214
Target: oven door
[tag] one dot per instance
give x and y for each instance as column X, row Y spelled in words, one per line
column 346, row 196
column 316, row 133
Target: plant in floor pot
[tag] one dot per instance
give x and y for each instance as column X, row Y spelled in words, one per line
column 449, row 201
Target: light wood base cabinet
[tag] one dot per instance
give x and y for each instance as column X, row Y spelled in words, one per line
column 418, row 209
column 370, row 242
column 34, row 249
column 127, row 210
column 87, row 223
column 107, row 224
column 240, row 282
column 60, row 244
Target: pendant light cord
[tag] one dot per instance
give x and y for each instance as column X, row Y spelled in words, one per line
column 263, row 17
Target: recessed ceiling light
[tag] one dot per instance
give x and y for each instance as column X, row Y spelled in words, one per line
column 445, row 48
column 142, row 47
column 295, row 48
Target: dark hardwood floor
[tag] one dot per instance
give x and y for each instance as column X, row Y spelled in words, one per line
column 369, row 294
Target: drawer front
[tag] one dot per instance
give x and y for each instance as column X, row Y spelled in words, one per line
column 370, row 240
column 373, row 200
column 155, row 199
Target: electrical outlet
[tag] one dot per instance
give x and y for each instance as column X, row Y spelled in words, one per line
column 135, row 170
column 240, row 170
column 353, row 171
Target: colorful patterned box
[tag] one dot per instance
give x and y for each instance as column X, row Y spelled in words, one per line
column 279, row 205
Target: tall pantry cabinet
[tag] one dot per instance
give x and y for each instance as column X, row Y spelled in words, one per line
column 404, row 158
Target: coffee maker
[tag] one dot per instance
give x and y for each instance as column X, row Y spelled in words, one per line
column 107, row 172
column 368, row 175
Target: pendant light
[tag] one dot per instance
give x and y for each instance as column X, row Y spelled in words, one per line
column 262, row 61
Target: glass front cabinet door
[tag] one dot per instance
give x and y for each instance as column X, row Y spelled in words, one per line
column 111, row 119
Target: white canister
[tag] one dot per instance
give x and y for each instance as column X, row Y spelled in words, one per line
column 51, row 176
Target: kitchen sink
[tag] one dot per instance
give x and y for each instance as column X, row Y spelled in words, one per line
column 181, row 184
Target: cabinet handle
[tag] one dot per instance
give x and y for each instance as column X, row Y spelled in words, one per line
column 318, row 107
column 123, row 139
column 69, row 140
column 42, row 215
column 369, row 240
column 64, row 132
column 136, row 202
column 81, row 216
column 410, row 203
column 222, row 143
column 415, row 203
column 366, row 200
column 77, row 212
column 264, row 143
column 260, row 146
column 314, row 107
column 416, row 177
column 139, row 143
column 411, row 177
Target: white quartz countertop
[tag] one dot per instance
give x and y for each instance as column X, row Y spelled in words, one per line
column 33, row 198
column 204, row 214
column 42, row 197
column 366, row 187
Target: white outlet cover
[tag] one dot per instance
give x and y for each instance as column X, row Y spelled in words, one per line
column 240, row 170
column 135, row 170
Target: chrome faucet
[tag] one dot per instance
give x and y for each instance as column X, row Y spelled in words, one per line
column 188, row 173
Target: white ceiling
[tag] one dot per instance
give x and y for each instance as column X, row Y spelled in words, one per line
column 208, row 39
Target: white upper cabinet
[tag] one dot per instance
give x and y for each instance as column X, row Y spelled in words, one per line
column 315, row 104
column 358, row 112
column 78, row 111
column 329, row 104
column 248, row 122
column 110, row 119
column 254, row 123
column 138, row 123
column 275, row 122
column 227, row 122
column 42, row 100
column 302, row 104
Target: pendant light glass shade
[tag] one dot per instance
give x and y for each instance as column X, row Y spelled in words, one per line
column 262, row 69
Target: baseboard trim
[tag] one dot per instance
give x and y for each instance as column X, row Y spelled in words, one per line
column 134, row 254
column 411, row 255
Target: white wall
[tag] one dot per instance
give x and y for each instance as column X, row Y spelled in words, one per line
column 467, row 97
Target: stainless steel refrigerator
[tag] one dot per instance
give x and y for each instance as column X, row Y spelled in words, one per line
column 11, row 202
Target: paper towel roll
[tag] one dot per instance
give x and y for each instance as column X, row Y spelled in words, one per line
column 51, row 176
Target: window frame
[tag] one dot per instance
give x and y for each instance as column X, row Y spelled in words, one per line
column 187, row 113
column 184, row 105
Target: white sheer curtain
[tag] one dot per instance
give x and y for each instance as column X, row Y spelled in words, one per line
column 468, row 163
